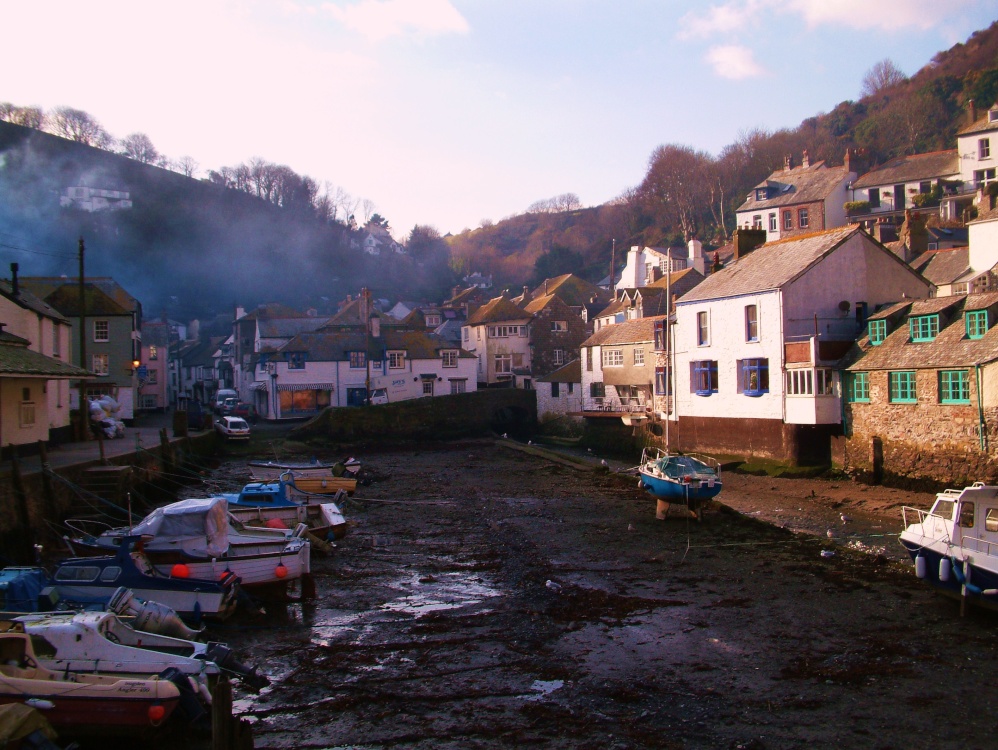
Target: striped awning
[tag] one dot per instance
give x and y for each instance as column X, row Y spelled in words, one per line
column 307, row 387
column 258, row 387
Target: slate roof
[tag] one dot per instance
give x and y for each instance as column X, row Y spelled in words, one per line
column 571, row 289
column 570, row 373
column 888, row 310
column 335, row 346
column 943, row 266
column 980, row 125
column 798, row 185
column 771, row 266
column 913, row 168
column 280, row 328
column 29, row 301
column 17, row 360
column 497, row 310
column 155, row 333
column 273, row 310
column 628, row 332
column 107, row 293
column 951, row 348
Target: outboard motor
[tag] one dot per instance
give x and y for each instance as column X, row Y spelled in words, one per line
column 222, row 656
column 190, row 700
column 152, row 617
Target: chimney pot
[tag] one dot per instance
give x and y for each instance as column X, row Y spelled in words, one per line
column 805, row 160
column 13, row 279
column 788, row 163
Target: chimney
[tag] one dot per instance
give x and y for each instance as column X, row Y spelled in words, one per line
column 455, row 291
column 13, row 279
column 545, row 287
column 788, row 163
column 805, row 160
column 375, row 322
column 526, row 295
column 972, row 112
column 746, row 240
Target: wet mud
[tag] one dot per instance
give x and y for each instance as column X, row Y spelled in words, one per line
column 485, row 598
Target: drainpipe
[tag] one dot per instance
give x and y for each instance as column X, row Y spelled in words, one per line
column 980, row 410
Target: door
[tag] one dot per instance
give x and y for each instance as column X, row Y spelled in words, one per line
column 356, row 396
column 899, row 197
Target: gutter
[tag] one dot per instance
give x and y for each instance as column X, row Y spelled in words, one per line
column 980, row 411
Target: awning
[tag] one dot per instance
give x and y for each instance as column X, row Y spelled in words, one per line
column 307, row 387
column 258, row 387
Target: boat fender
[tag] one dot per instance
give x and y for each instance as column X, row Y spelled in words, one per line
column 920, row 566
column 944, row 569
column 281, row 571
column 957, row 571
column 962, row 579
column 641, row 484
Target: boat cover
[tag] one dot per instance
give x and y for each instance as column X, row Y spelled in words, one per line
column 677, row 467
column 206, row 517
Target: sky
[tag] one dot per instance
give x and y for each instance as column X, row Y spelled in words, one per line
column 449, row 113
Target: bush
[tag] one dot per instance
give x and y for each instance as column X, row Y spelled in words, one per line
column 857, row 207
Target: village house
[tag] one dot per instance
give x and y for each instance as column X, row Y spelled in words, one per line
column 113, row 338
column 798, row 200
column 154, row 380
column 556, row 331
column 756, row 344
column 34, row 369
column 921, row 393
column 646, row 265
column 559, row 395
column 193, row 373
column 498, row 334
column 915, row 181
column 648, row 301
column 975, row 146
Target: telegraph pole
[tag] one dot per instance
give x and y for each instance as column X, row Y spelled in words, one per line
column 84, row 416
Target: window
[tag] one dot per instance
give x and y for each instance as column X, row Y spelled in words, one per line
column 703, row 329
column 762, row 194
column 984, row 148
column 448, row 358
column 432, row 320
column 983, row 176
column 558, row 357
column 465, row 333
column 977, row 323
column 98, row 364
column 874, row 197
column 639, row 357
column 925, row 187
column 924, row 327
column 597, row 389
column 358, row 360
column 613, row 358
column 427, row 387
column 788, row 219
column 757, row 221
column 396, row 360
column 751, row 323
column 502, row 332
column 589, row 359
column 555, row 390
column 504, row 364
column 296, row 360
column 660, row 341
column 559, row 325
column 967, row 515
column 901, row 387
column 26, row 412
column 878, row 331
column 824, row 383
column 802, row 218
column 662, row 381
column 153, row 352
column 151, row 377
column 458, row 385
column 991, row 520
column 954, row 387
column 101, row 330
column 858, row 387
column 571, row 388
column 800, row 383
column 56, row 351
column 772, row 222
column 703, row 377
column 754, row 377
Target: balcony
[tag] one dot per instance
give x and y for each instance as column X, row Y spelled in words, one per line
column 815, row 350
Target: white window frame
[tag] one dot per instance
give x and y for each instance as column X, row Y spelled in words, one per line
column 102, row 331
column 984, row 148
column 559, row 325
column 558, row 357
column 99, row 364
column 639, row 357
column 448, row 358
column 503, row 364
column 396, row 359
column 613, row 357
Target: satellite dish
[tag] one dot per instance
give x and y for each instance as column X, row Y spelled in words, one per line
column 844, row 306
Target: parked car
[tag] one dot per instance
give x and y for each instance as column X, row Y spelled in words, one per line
column 228, row 405
column 232, row 428
column 246, row 411
column 220, row 397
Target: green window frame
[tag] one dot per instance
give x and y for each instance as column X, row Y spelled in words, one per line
column 977, row 323
column 924, row 327
column 954, row 386
column 858, row 390
column 878, row 331
column 901, row 387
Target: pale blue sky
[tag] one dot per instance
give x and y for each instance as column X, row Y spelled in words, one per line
column 448, row 112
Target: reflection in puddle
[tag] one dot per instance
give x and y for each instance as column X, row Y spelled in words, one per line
column 442, row 592
column 544, row 688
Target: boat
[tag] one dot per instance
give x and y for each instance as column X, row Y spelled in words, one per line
column 690, row 479
column 94, row 582
column 279, row 503
column 316, row 478
column 954, row 544
column 104, row 642
column 198, row 539
column 83, row 703
column 269, row 470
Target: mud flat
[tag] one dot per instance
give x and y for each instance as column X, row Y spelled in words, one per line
column 490, row 599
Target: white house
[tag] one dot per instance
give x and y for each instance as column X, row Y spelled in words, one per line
column 645, row 265
column 895, row 186
column 498, row 334
column 559, row 394
column 757, row 342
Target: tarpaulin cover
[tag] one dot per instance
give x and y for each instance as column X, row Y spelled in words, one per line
column 207, row 517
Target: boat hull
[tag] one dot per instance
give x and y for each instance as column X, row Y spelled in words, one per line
column 324, row 520
column 672, row 491
column 981, row 579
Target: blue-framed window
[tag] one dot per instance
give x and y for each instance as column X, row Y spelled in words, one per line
column 977, row 323
column 754, row 377
column 954, row 386
column 660, row 339
column 878, row 331
column 923, row 327
column 858, row 387
column 901, row 387
column 751, row 322
column 662, row 381
column 703, row 376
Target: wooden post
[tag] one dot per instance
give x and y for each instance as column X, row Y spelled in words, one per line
column 221, row 715
column 48, row 494
column 100, row 444
column 22, row 552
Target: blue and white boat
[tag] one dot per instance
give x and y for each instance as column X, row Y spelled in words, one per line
column 954, row 544
column 279, row 503
column 691, row 479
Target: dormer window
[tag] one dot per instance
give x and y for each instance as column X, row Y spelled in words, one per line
column 977, row 323
column 924, row 327
column 878, row 331
column 993, row 115
column 762, row 194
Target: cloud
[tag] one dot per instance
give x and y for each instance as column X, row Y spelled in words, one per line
column 381, row 19
column 734, row 61
column 884, row 15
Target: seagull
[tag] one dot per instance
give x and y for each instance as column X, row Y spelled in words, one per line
column 830, row 534
column 589, row 450
column 505, row 435
column 845, row 518
column 553, row 586
column 602, row 462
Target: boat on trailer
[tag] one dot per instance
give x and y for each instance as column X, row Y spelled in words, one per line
column 954, row 544
column 689, row 479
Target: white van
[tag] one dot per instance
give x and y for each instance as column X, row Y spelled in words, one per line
column 379, row 396
column 224, row 393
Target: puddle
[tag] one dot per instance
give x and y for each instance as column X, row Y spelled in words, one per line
column 445, row 591
column 544, row 688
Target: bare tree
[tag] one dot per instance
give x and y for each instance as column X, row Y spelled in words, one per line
column 367, row 209
column 28, row 117
column 188, row 166
column 676, row 188
column 77, row 125
column 882, row 76
column 139, row 146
